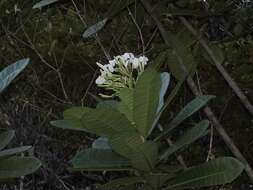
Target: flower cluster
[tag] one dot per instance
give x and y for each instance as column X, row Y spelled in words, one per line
column 122, row 71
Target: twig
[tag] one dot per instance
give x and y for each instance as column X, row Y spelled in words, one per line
column 210, row 115
column 55, row 69
column 139, row 30
column 245, row 101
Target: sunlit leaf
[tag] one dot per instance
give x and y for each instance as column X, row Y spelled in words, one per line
column 146, row 100
column 9, row 152
column 92, row 30
column 44, row 3
column 8, row 74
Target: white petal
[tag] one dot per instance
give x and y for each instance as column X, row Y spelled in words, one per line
column 110, row 68
column 100, row 65
column 143, row 60
column 112, row 62
column 136, row 63
column 100, row 80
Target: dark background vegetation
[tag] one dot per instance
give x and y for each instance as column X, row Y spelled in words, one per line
column 62, row 72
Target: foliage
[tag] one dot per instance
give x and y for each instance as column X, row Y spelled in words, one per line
column 12, row 166
column 125, row 141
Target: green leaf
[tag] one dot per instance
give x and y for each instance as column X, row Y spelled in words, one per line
column 126, row 181
column 216, row 172
column 75, row 112
column 44, row 3
column 99, row 160
column 94, row 29
column 157, row 180
column 107, row 104
column 122, row 142
column 12, row 151
column 144, row 156
column 72, row 124
column 189, row 137
column 125, row 106
column 106, row 122
column 5, row 138
column 18, row 166
column 72, row 119
column 8, row 74
column 146, row 100
column 187, row 111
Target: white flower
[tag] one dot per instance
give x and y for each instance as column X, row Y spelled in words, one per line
column 128, row 57
column 101, row 66
column 112, row 62
column 100, row 80
column 110, row 67
column 105, row 69
column 122, row 60
column 135, row 63
column 143, row 60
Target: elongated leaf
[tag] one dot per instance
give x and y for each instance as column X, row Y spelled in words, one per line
column 18, row 166
column 72, row 119
column 106, row 122
column 72, row 124
column 13, row 151
column 44, row 3
column 126, row 181
column 5, row 138
column 146, row 100
column 216, row 172
column 122, row 143
column 75, row 112
column 187, row 111
column 125, row 106
column 10, row 73
column 157, row 180
column 101, row 143
column 99, row 160
column 165, row 78
column 189, row 137
column 92, row 30
column 144, row 156
column 167, row 103
column 108, row 104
